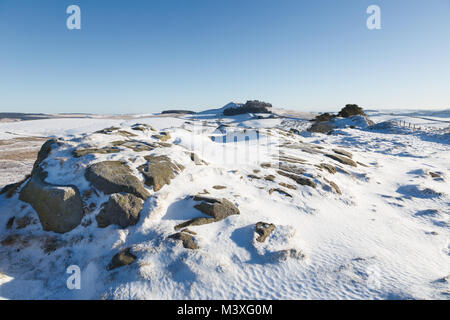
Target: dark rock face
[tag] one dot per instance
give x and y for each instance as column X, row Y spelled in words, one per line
column 121, row 259
column 60, row 208
column 158, row 171
column 121, row 209
column 186, row 238
column 115, row 177
column 218, row 209
column 263, row 230
column 254, row 106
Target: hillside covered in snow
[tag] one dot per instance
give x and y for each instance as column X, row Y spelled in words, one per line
column 207, row 206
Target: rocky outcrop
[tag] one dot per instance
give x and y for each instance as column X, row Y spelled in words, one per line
column 135, row 145
column 115, row 177
column 300, row 180
column 178, row 112
column 116, row 131
column 331, row 169
column 60, row 208
column 121, row 209
column 123, row 258
column 142, row 127
column 343, row 153
column 158, row 171
column 78, row 153
column 342, row 159
column 263, row 230
column 254, row 106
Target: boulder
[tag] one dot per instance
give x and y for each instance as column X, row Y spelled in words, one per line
column 321, row 127
column 121, row 209
column 123, row 258
column 158, row 171
column 115, row 177
column 186, row 238
column 218, row 209
column 60, row 208
column 263, row 230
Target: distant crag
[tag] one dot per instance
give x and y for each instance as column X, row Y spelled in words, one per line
column 251, row 106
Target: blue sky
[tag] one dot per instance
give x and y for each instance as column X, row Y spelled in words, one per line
column 146, row 56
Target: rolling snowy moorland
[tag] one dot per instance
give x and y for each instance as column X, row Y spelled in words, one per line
column 360, row 213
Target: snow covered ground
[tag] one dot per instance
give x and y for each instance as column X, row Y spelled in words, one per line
column 384, row 235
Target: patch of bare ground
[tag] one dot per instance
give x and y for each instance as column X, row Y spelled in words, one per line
column 17, row 157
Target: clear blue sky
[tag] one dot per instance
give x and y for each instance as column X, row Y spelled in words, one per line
column 145, row 56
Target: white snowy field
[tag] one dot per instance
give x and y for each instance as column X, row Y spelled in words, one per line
column 384, row 235
column 437, row 119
